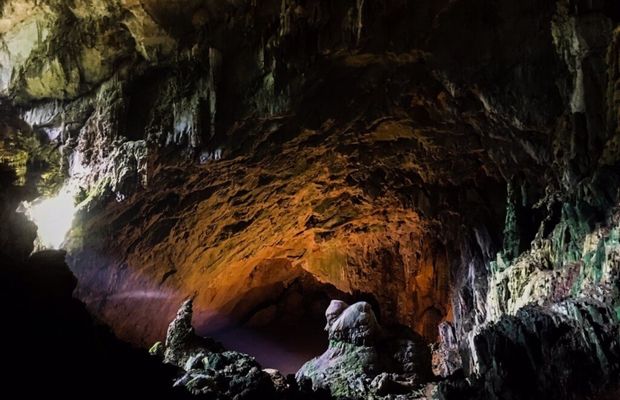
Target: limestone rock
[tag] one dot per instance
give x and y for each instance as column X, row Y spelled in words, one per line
column 226, row 375
column 355, row 324
column 580, row 339
column 447, row 160
column 279, row 381
column 446, row 356
column 181, row 341
column 362, row 361
column 212, row 371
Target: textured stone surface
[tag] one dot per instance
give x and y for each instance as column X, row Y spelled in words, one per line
column 365, row 361
column 447, row 161
column 216, row 373
column 181, row 341
column 568, row 350
column 315, row 169
column 446, row 359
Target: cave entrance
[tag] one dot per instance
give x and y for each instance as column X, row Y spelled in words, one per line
column 53, row 217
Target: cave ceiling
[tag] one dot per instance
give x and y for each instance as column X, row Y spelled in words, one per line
column 226, row 149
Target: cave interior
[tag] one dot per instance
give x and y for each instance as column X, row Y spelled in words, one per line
column 310, row 199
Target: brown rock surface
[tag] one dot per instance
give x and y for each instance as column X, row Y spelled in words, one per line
column 441, row 160
column 238, row 232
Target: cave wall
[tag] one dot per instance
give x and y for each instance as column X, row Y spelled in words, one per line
column 449, row 160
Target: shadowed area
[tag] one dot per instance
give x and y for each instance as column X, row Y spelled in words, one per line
column 285, row 347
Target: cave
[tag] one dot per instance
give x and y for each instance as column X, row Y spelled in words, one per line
column 310, row 199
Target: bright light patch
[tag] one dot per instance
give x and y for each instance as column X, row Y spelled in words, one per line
column 53, row 217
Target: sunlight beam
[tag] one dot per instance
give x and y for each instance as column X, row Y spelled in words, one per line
column 53, row 217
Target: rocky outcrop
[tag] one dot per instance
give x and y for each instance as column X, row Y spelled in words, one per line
column 446, row 358
column 182, row 342
column 577, row 338
column 567, row 350
column 365, row 361
column 216, row 373
column 454, row 163
column 554, row 272
column 552, row 308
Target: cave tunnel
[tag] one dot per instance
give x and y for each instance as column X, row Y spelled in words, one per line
column 308, row 199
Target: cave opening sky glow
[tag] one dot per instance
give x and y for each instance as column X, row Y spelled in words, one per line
column 53, row 217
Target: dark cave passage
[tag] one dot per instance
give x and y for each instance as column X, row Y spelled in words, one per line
column 284, row 346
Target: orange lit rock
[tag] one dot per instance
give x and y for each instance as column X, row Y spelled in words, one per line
column 237, row 233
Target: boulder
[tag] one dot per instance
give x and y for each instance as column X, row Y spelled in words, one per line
column 211, row 370
column 363, row 360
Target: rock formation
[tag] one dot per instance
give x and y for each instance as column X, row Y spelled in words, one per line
column 216, row 373
column 566, row 350
column 453, row 163
column 446, row 358
column 365, row 361
column 182, row 342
